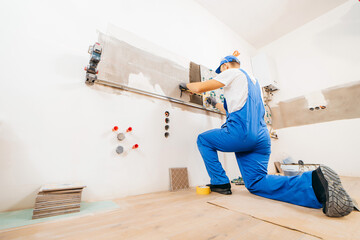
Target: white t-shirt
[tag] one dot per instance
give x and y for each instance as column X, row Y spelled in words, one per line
column 235, row 89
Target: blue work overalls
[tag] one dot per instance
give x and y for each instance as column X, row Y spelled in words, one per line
column 246, row 134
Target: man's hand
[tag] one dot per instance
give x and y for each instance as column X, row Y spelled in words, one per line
column 212, row 101
column 183, row 87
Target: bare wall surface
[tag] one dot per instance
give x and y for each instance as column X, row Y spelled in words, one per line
column 320, row 57
column 321, row 54
column 54, row 128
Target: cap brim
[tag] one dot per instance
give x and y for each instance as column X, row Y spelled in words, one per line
column 218, row 70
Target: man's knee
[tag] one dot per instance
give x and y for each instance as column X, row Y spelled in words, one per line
column 252, row 184
column 251, row 188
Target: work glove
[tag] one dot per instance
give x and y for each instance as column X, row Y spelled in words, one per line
column 212, row 101
column 183, row 87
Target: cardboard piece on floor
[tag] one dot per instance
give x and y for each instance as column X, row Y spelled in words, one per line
column 307, row 220
column 356, row 205
column 24, row 217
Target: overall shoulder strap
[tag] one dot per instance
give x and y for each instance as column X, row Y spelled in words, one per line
column 247, row 76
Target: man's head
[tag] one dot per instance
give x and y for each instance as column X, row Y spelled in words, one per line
column 227, row 63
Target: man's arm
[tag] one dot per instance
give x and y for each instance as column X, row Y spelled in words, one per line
column 200, row 87
column 220, row 106
column 212, row 101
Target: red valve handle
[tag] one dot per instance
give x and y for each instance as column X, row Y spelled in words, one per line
column 115, row 129
column 129, row 129
column 135, row 146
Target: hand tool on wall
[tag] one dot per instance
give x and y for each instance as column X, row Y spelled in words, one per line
column 183, row 88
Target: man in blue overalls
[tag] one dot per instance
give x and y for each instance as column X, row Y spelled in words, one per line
column 245, row 133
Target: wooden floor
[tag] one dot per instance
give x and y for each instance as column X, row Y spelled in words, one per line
column 165, row 215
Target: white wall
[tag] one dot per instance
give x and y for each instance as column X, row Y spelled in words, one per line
column 54, row 128
column 323, row 53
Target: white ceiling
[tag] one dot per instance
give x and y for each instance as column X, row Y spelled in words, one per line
column 263, row 21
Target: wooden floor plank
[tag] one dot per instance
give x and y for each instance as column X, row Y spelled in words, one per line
column 165, row 215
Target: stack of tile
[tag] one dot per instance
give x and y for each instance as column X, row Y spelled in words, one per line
column 58, row 199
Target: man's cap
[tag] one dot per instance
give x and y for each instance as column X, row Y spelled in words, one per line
column 226, row 59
